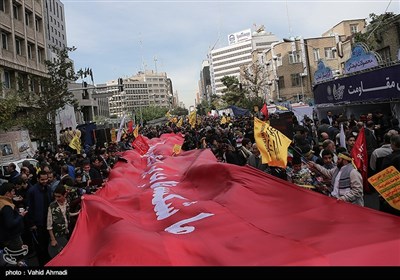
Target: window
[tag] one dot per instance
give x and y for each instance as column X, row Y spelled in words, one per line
column 295, row 80
column 18, row 48
column 281, row 82
column 2, row 5
column 27, row 19
column 30, row 51
column 316, row 54
column 7, row 80
column 329, row 53
column 279, row 60
column 31, row 84
column 4, row 41
column 353, row 28
column 294, row 57
column 16, row 11
column 39, row 52
column 37, row 25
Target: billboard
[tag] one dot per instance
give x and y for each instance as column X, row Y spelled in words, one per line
column 380, row 84
column 240, row 36
column 15, row 145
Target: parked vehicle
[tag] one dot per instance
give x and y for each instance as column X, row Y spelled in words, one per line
column 18, row 164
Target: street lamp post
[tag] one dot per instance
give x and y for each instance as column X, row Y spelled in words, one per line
column 302, row 89
column 274, row 69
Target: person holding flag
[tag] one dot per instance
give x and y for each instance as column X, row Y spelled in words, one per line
column 264, row 111
column 192, row 118
column 136, row 131
column 347, row 182
column 359, row 153
column 180, row 122
column 273, row 144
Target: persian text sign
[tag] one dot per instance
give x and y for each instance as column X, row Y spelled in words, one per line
column 380, row 84
column 387, row 183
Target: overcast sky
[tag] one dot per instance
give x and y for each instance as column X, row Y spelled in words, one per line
column 119, row 38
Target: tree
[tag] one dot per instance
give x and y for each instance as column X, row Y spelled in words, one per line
column 53, row 96
column 179, row 111
column 9, row 110
column 378, row 25
column 254, row 79
column 204, row 107
column 153, row 112
column 233, row 93
column 217, row 102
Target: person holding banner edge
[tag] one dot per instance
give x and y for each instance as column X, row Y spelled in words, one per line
column 346, row 181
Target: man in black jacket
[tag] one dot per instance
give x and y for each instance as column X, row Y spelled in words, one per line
column 11, row 227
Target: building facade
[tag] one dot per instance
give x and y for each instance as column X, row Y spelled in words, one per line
column 23, row 45
column 142, row 90
column 228, row 60
column 56, row 34
column 291, row 63
column 205, row 82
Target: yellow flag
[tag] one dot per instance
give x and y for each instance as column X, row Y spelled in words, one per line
column 113, row 135
column 273, row 144
column 223, row 120
column 136, row 131
column 192, row 118
column 176, row 149
column 199, row 120
column 179, row 124
column 76, row 144
column 168, row 115
column 281, row 108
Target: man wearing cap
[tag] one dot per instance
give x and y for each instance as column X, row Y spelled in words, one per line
column 346, row 181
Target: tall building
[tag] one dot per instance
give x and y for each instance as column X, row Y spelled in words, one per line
column 205, row 82
column 56, row 34
column 23, row 45
column 141, row 90
column 228, row 60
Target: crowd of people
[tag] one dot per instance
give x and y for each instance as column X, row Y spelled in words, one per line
column 39, row 205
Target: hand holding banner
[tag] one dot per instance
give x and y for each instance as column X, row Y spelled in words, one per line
column 387, row 184
column 140, row 145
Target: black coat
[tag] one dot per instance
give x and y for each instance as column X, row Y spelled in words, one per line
column 11, row 223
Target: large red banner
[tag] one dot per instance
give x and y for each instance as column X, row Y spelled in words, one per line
column 190, row 210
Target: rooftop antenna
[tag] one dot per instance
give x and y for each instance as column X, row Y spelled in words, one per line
column 155, row 63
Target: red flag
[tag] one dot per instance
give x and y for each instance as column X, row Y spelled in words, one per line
column 264, row 111
column 140, row 145
column 190, row 210
column 360, row 157
column 130, row 127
